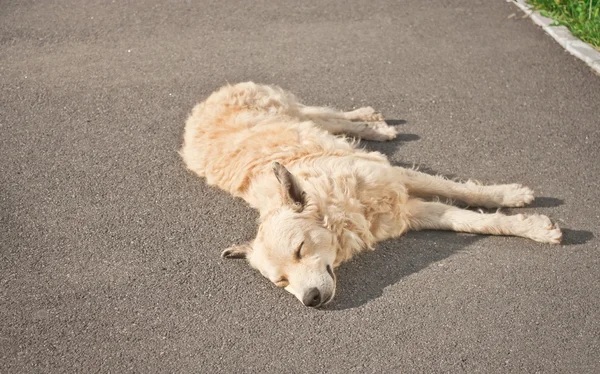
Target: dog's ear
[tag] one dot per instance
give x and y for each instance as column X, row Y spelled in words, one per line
column 290, row 185
column 237, row 251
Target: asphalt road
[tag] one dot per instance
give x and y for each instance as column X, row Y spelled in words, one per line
column 109, row 256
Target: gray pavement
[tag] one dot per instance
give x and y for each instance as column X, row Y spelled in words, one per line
column 109, row 258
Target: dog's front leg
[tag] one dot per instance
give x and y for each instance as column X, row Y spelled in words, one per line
column 425, row 215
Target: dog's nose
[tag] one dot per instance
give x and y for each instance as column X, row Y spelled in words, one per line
column 312, row 298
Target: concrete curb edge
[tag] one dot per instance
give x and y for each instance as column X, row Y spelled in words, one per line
column 563, row 36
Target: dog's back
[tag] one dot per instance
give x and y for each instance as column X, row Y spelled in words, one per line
column 237, row 132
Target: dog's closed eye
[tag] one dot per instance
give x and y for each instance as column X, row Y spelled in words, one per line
column 298, row 255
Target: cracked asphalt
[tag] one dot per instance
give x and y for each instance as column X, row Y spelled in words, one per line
column 109, row 257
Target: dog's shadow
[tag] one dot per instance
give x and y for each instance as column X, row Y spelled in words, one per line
column 365, row 277
column 389, row 147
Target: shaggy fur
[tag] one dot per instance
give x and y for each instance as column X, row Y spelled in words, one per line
column 322, row 199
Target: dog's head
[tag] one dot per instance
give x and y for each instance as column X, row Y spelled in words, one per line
column 292, row 248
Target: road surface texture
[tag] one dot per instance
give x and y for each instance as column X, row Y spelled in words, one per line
column 110, row 248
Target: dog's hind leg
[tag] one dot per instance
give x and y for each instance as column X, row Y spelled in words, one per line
column 471, row 193
column 364, row 114
column 424, row 215
column 364, row 123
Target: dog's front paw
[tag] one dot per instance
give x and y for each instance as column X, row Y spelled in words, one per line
column 379, row 131
column 539, row 228
column 516, row 195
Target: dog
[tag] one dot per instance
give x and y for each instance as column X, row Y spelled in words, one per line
column 321, row 198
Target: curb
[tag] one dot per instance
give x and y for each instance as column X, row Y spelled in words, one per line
column 563, row 36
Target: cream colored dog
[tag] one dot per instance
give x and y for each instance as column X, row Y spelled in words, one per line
column 322, row 199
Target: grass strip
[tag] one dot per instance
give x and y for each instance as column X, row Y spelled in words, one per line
column 582, row 17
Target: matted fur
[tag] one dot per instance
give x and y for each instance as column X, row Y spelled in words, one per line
column 321, row 199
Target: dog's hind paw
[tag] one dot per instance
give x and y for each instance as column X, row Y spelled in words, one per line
column 366, row 114
column 379, row 131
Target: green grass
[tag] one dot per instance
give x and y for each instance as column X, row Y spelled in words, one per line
column 582, row 17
